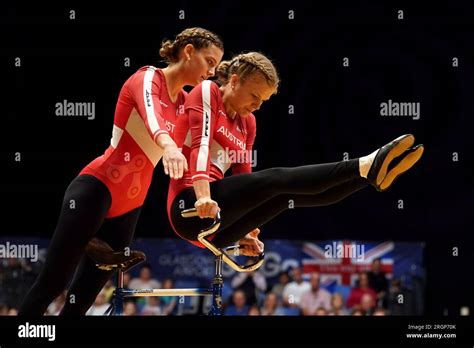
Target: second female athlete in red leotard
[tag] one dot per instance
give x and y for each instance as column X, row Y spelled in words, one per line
column 211, row 140
column 143, row 112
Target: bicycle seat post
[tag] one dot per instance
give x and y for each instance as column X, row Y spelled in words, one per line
column 218, row 262
column 120, row 278
column 118, row 293
column 217, row 285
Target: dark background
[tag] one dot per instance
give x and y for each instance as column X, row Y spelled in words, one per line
column 337, row 110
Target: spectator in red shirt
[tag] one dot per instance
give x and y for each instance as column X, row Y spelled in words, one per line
column 356, row 294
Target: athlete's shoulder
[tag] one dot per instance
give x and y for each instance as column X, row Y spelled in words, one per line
column 153, row 73
column 205, row 88
column 147, row 68
column 207, row 85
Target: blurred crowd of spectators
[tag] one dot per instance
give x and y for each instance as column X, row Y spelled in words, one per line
column 294, row 293
column 373, row 294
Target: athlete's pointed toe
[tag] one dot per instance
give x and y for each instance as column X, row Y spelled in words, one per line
column 407, row 160
column 385, row 156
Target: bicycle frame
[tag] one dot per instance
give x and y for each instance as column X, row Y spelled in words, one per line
column 215, row 290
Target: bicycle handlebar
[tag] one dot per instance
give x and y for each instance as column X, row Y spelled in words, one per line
column 188, row 213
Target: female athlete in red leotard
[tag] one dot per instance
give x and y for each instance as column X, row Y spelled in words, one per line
column 105, row 199
column 217, row 133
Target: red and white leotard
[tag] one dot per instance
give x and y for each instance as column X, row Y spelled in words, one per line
column 143, row 112
column 211, row 141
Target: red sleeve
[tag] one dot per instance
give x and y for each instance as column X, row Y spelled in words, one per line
column 245, row 166
column 181, row 130
column 201, row 108
column 144, row 89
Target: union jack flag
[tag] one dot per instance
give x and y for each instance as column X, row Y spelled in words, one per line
column 344, row 270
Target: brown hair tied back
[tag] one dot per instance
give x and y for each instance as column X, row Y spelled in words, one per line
column 198, row 37
column 246, row 64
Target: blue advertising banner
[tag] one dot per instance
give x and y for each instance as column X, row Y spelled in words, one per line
column 337, row 261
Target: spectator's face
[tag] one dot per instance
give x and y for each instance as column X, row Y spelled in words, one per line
column 366, row 302
column 357, row 313
column 239, row 299
column 145, row 273
column 254, row 311
column 321, row 312
column 129, row 309
column 315, row 281
column 363, row 281
column 337, row 302
column 379, row 313
column 271, row 300
column 376, row 265
column 297, row 275
column 168, row 284
column 284, row 279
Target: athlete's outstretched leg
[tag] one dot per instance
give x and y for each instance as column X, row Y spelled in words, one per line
column 275, row 206
column 238, row 195
column 84, row 208
column 89, row 280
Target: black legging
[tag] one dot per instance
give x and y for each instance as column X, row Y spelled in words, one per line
column 82, row 217
column 248, row 201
